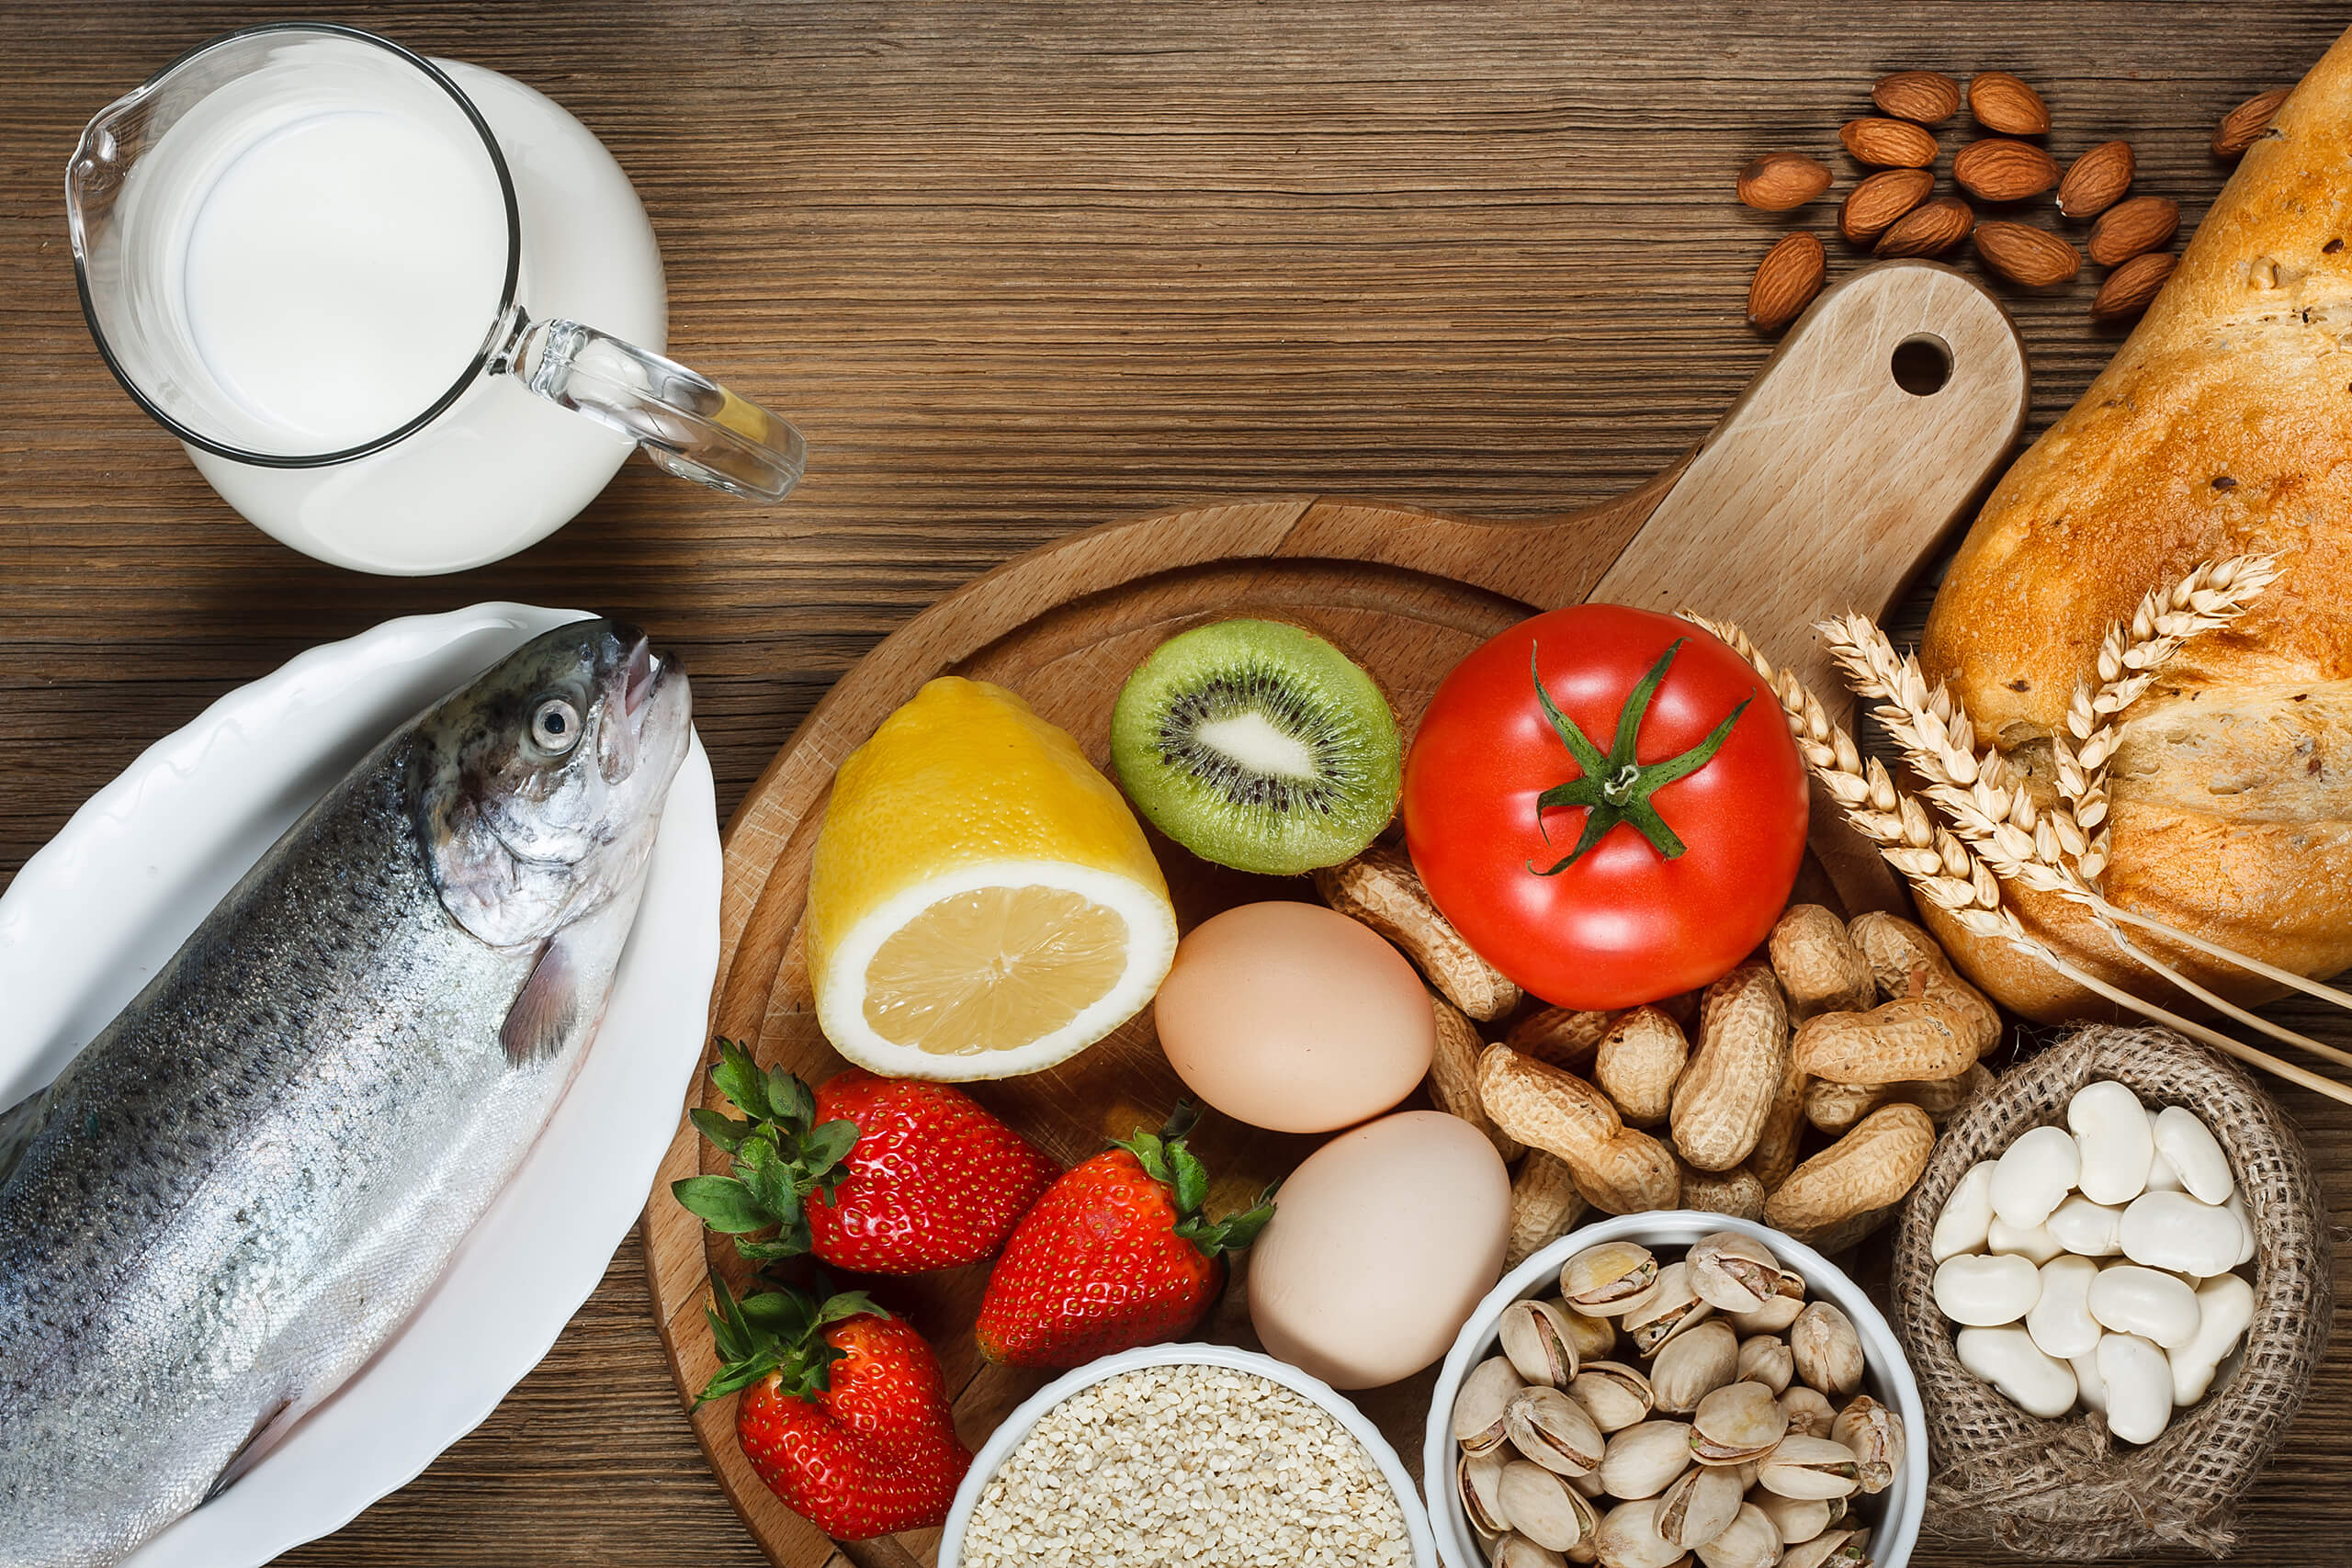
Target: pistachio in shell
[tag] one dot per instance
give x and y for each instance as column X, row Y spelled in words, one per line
column 1733, row 1272
column 1809, row 1411
column 1693, row 1366
column 1800, row 1519
column 1479, row 1477
column 1644, row 1458
column 1518, row 1551
column 1601, row 1280
column 1629, row 1538
column 1539, row 1343
column 1765, row 1359
column 1614, row 1394
column 1827, row 1349
column 1699, row 1506
column 1595, row 1338
column 1748, row 1541
column 1544, row 1507
column 1831, row 1549
column 1736, row 1424
column 1773, row 1317
column 1546, row 1425
column 1800, row 1466
column 1668, row 1308
column 1875, row 1434
column 1478, row 1408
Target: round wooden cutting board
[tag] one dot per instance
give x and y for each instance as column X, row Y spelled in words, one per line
column 1822, row 490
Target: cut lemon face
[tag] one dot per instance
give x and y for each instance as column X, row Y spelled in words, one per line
column 982, row 902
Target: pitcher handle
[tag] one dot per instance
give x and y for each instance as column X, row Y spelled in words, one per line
column 686, row 422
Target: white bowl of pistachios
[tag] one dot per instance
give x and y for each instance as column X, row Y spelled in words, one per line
column 1658, row 1388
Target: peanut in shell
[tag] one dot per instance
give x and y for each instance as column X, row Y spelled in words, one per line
column 1817, row 965
column 1453, row 1075
column 1632, row 1173
column 1728, row 1090
column 1898, row 1042
column 1543, row 1204
column 1545, row 1107
column 1869, row 1168
column 1637, row 1063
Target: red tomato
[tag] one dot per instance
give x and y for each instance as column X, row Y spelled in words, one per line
column 1627, row 920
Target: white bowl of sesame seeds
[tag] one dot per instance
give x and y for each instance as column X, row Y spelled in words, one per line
column 1187, row 1454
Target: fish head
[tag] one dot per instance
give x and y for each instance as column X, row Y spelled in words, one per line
column 538, row 788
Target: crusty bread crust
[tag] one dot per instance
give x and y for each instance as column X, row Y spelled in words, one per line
column 2223, row 425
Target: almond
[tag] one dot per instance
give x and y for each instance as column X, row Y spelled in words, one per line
column 2142, row 223
column 1874, row 206
column 1779, row 181
column 1786, row 280
column 1889, row 143
column 2004, row 103
column 2000, row 169
column 2129, row 288
column 1928, row 231
column 2022, row 253
column 1929, row 97
column 2097, row 180
column 2243, row 126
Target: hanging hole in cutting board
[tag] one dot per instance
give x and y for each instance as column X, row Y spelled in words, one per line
column 1922, row 364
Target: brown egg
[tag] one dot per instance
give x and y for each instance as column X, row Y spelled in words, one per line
column 1383, row 1243
column 1291, row 1017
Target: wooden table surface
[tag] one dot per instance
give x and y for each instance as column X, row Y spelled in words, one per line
column 1016, row 269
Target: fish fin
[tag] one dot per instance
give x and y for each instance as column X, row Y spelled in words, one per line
column 272, row 1423
column 545, row 1010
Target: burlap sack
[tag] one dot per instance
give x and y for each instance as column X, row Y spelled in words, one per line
column 2064, row 1489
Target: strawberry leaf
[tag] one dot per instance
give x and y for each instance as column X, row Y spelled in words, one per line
column 775, row 1331
column 777, row 1157
column 720, row 1128
column 739, row 1079
column 1192, row 1178
column 723, row 1203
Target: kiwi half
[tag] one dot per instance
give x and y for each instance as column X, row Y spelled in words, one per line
column 1258, row 746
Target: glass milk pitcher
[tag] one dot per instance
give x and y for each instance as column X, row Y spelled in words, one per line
column 355, row 283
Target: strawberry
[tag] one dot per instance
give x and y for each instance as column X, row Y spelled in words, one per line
column 878, row 1175
column 844, row 1412
column 1116, row 1254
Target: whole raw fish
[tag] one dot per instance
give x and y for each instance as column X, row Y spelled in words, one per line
column 237, row 1192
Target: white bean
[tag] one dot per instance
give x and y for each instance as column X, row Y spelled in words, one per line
column 2173, row 1230
column 2088, row 1229
column 1984, row 1291
column 2034, row 1175
column 2225, row 1307
column 2139, row 1387
column 1967, row 1213
column 2061, row 1321
column 2013, row 1363
column 2245, row 1226
column 2088, row 1385
column 2111, row 1129
column 2035, row 1244
column 2191, row 1149
column 2133, row 1300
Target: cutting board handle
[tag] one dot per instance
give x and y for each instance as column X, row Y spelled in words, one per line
column 1885, row 411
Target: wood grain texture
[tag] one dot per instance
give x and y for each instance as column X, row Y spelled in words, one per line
column 1017, row 270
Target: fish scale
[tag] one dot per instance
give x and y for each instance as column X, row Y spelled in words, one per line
column 246, row 1183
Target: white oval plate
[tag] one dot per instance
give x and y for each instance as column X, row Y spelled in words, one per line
column 90, row 917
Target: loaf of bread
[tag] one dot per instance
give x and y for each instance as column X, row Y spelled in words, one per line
column 2222, row 426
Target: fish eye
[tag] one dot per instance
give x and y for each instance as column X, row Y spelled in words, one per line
column 555, row 727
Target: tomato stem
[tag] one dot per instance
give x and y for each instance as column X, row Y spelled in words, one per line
column 1617, row 787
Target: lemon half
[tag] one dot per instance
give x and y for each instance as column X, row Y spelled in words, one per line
column 982, row 903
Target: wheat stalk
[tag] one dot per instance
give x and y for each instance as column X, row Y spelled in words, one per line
column 1945, row 870
column 2128, row 656
column 1995, row 813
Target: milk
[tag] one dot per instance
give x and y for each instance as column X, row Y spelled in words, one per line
column 342, row 271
